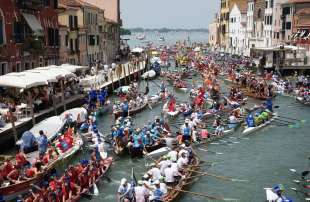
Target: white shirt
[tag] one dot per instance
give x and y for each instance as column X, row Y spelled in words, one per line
column 182, row 162
column 140, row 193
column 163, row 188
column 175, row 169
column 183, row 151
column 232, row 119
column 169, row 174
column 155, row 173
column 173, row 155
column 163, row 165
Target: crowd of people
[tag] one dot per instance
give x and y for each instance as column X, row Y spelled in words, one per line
column 124, row 134
column 163, row 175
column 75, row 180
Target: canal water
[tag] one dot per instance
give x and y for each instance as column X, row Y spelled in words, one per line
column 262, row 159
column 170, row 38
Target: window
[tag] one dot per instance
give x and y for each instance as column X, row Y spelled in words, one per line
column 286, row 11
column 19, row 32
column 91, row 40
column 67, row 40
column 288, row 25
column 2, row 28
column 18, row 67
column 71, row 45
column 4, row 67
column 259, row 13
column 75, row 22
column 70, row 21
column 97, row 40
column 27, row 65
column 76, row 44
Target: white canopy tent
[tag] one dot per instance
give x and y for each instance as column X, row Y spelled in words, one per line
column 73, row 68
column 56, row 71
column 22, row 80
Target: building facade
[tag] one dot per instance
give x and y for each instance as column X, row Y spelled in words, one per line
column 213, row 37
column 237, row 30
column 28, row 34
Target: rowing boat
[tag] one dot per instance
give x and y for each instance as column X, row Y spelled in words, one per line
column 117, row 113
column 107, row 163
column 12, row 191
column 173, row 192
column 302, row 100
column 250, row 130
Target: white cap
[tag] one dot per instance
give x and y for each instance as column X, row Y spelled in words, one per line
column 157, row 182
column 123, row 181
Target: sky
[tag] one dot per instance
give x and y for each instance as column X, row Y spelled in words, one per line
column 168, row 13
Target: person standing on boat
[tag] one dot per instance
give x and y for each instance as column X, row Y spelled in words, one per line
column 163, row 87
column 125, row 108
column 124, row 192
column 42, row 143
column 157, row 193
column 141, row 192
column 187, row 133
column 29, row 142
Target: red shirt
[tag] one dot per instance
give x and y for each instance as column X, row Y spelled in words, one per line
column 7, row 169
column 30, row 172
column 20, row 159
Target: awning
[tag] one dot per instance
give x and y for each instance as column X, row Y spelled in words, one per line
column 33, row 23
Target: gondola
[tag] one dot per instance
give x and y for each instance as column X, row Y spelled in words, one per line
column 133, row 111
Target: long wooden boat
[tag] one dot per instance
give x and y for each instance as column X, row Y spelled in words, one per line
column 302, row 100
column 173, row 192
column 12, row 191
column 108, row 163
column 131, row 112
column 250, row 130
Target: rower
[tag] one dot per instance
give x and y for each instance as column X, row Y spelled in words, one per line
column 21, row 160
column 141, row 192
column 182, row 161
column 186, row 132
column 154, row 172
column 232, row 120
column 173, row 155
column 164, row 164
column 157, row 193
column 250, row 121
column 279, row 189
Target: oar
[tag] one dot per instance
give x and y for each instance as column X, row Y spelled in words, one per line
column 300, row 191
column 220, row 176
column 203, row 195
column 289, row 118
column 283, row 121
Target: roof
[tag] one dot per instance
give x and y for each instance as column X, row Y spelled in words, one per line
column 303, row 11
column 299, row 1
column 77, row 3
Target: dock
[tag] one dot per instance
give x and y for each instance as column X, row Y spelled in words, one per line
column 116, row 78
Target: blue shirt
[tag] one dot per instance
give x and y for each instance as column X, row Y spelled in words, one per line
column 28, row 140
column 186, row 131
column 158, row 194
column 125, row 107
column 42, row 143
